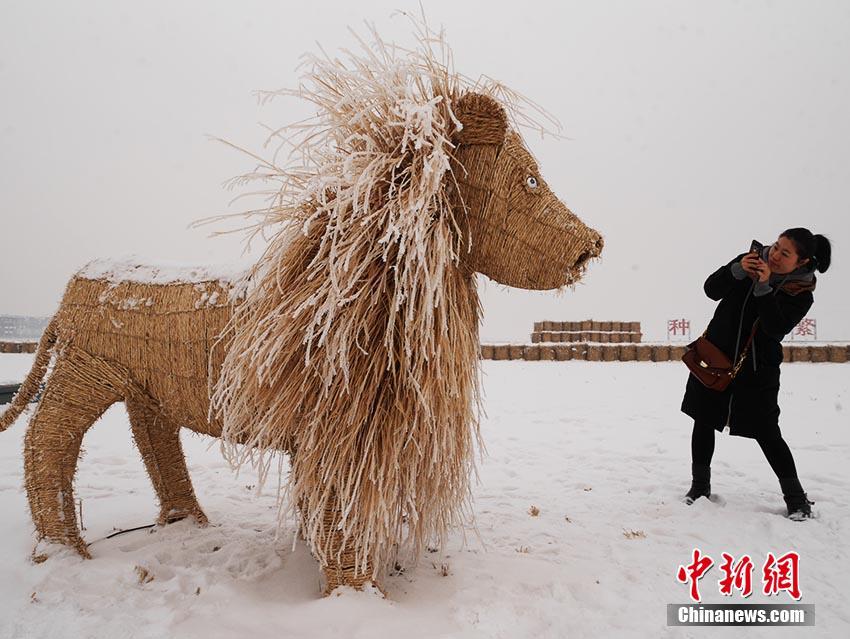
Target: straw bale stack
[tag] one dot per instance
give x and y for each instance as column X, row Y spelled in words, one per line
column 590, row 331
column 18, row 347
column 599, row 350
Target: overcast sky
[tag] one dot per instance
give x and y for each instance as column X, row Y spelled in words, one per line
column 695, row 127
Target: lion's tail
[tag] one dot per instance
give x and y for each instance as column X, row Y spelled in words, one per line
column 31, row 384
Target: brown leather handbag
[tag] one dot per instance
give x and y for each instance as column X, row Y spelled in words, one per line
column 710, row 365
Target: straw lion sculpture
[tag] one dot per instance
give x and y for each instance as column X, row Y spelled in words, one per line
column 352, row 345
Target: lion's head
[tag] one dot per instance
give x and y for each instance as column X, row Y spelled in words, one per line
column 520, row 233
column 357, row 349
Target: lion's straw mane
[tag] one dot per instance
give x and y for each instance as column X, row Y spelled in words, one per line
column 357, row 348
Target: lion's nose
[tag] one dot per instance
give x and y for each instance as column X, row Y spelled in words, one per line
column 597, row 246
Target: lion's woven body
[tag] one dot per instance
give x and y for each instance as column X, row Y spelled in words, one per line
column 162, row 335
column 147, row 345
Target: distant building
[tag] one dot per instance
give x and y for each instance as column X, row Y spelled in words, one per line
column 15, row 328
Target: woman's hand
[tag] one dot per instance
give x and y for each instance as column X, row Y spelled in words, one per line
column 755, row 267
column 750, row 263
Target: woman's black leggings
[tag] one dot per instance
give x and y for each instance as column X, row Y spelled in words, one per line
column 774, row 448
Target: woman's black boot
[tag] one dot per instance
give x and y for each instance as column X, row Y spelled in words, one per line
column 700, row 485
column 799, row 506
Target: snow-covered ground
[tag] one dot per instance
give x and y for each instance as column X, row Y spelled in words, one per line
column 599, row 448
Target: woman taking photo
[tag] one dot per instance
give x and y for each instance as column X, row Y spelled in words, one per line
column 766, row 293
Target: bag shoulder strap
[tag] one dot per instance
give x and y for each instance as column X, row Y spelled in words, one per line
column 752, row 334
column 743, row 354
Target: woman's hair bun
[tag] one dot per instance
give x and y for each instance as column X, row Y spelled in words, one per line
column 823, row 253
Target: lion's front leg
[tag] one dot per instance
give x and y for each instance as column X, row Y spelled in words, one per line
column 340, row 563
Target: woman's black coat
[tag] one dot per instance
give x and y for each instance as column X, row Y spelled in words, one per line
column 749, row 404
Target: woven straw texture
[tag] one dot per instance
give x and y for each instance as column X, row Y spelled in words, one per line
column 150, row 346
column 356, row 347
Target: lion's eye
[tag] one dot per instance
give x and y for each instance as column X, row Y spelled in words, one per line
column 531, row 181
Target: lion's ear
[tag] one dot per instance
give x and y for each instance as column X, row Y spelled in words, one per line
column 483, row 118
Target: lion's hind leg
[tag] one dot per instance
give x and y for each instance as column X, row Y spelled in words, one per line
column 76, row 394
column 158, row 440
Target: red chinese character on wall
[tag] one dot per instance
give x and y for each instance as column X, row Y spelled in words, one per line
column 782, row 574
column 678, row 327
column 806, row 328
column 694, row 571
column 739, row 575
